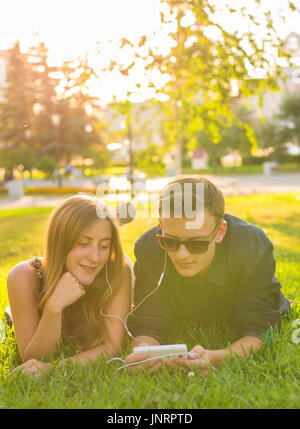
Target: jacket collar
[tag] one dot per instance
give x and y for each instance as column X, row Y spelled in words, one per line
column 216, row 272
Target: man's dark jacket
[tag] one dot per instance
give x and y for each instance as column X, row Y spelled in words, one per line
column 240, row 286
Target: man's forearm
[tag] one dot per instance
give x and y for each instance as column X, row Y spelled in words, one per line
column 242, row 347
column 144, row 340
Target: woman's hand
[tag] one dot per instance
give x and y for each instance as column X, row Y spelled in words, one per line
column 67, row 291
column 33, row 367
column 151, row 366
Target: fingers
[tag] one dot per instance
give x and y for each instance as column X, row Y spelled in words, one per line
column 135, row 357
column 156, row 366
column 73, row 285
column 198, row 350
column 151, row 365
column 75, row 281
column 79, row 285
column 174, row 363
column 31, row 367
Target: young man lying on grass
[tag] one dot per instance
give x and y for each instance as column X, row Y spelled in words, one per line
column 212, row 267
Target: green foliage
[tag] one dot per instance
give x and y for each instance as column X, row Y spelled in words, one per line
column 268, row 133
column 47, row 164
column 22, row 155
column 234, row 134
column 32, row 111
column 290, row 116
column 16, row 111
column 283, row 127
column 79, row 127
column 100, row 155
column 204, row 63
column 150, row 161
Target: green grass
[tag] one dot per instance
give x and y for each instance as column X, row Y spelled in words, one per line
column 270, row 379
column 245, row 169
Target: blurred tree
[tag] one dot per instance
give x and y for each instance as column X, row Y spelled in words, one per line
column 269, row 133
column 289, row 117
column 48, row 108
column 45, row 103
column 236, row 134
column 22, row 156
column 207, row 63
column 48, row 165
column 150, row 161
column 100, row 155
column 26, row 157
column 283, row 127
column 125, row 109
column 16, row 111
column 80, row 125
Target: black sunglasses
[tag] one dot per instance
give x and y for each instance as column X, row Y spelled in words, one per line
column 193, row 246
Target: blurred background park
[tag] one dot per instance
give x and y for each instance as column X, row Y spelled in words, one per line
column 112, row 92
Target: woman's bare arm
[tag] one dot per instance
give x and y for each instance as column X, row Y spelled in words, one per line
column 114, row 330
column 36, row 337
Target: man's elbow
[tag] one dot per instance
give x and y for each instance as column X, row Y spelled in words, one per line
column 250, row 344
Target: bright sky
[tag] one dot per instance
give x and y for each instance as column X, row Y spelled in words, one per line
column 70, row 27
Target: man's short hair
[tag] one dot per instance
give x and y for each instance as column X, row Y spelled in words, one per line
column 212, row 198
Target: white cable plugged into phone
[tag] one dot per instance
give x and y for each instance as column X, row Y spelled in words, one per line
column 140, row 303
column 160, row 351
column 156, row 352
column 153, row 352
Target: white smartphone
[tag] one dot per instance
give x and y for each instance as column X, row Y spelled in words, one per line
column 174, row 350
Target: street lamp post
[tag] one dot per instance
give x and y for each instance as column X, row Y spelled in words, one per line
column 130, row 153
column 56, row 122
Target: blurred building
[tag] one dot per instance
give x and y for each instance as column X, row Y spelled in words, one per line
column 144, row 129
column 3, row 71
column 272, row 100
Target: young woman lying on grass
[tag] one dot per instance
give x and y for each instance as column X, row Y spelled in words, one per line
column 64, row 295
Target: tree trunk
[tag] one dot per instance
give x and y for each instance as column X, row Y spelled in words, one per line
column 178, row 156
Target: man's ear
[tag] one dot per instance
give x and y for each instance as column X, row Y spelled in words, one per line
column 160, row 224
column 222, row 231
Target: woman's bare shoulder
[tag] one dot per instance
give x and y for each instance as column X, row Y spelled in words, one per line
column 23, row 272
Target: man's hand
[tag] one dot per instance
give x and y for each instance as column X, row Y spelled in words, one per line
column 33, row 367
column 151, row 366
column 198, row 357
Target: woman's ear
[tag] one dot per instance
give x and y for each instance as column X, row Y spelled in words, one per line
column 222, row 231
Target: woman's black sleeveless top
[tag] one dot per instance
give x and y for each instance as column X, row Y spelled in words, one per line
column 36, row 263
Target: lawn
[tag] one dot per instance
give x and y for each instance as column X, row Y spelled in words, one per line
column 270, row 379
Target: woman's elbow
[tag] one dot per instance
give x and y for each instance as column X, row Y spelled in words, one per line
column 111, row 350
column 26, row 354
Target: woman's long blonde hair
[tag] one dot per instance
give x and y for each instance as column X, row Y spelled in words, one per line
column 81, row 323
